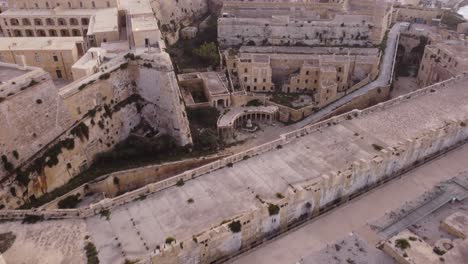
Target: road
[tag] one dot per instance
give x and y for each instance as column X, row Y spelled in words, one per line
column 355, row 215
column 385, row 75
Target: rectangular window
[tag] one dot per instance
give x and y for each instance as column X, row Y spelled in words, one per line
column 59, row 74
column 55, row 58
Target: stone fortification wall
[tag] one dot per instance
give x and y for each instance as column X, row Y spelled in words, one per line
column 391, row 160
column 174, row 15
column 342, row 30
column 317, row 195
column 98, row 112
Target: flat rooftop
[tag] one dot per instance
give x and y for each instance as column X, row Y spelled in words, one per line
column 43, row 43
column 228, row 192
column 213, row 82
column 136, row 8
column 144, row 23
column 102, row 20
column 8, row 73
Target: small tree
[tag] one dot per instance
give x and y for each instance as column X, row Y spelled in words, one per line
column 208, row 52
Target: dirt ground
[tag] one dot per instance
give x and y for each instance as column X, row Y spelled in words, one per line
column 404, row 85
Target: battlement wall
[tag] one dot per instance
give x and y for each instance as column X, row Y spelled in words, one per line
column 458, row 131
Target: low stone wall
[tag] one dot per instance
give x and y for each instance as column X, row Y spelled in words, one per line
column 308, row 200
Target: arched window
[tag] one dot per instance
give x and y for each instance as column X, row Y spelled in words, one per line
column 14, row 22
column 76, row 32
column 53, row 33
column 73, row 21
column 64, row 33
column 17, row 33
column 37, row 22
column 40, row 33
column 84, row 21
column 26, row 22
column 50, row 22
column 29, row 33
column 61, row 21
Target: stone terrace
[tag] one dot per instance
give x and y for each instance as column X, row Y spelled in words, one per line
column 227, row 192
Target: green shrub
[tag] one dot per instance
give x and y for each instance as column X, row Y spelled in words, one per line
column 273, row 209
column 402, row 243
column 91, row 253
column 105, row 213
column 235, row 226
column 169, row 240
column 69, row 202
column 255, row 102
column 180, row 182
column 31, row 219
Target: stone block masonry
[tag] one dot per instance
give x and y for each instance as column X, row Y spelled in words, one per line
column 310, row 196
column 245, row 198
column 90, row 116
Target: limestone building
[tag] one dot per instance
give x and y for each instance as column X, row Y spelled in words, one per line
column 205, row 89
column 328, row 23
column 70, row 4
column 53, row 54
column 96, row 25
column 326, row 73
column 421, row 15
column 442, row 61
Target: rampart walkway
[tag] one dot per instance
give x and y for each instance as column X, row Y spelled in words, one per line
column 354, row 216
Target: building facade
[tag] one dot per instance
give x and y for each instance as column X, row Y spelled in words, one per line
column 312, row 23
column 95, row 25
column 302, row 70
column 55, row 55
column 442, row 61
